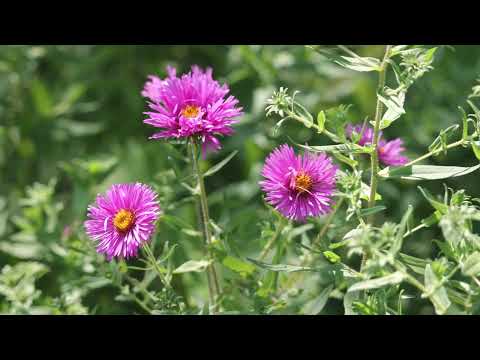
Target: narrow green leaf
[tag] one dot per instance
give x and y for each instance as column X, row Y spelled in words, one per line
column 402, row 227
column 321, row 119
column 417, row 265
column 41, row 98
column 362, row 64
column 347, row 148
column 332, row 257
column 372, row 210
column 426, row 172
column 192, row 266
column 471, row 266
column 220, row 165
column 282, row 267
column 392, row 279
column 239, row 266
column 348, row 300
column 476, row 149
column 316, row 305
column 394, row 105
column 439, row 297
column 437, row 205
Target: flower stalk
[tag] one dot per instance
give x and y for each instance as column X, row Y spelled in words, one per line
column 213, row 285
column 376, row 137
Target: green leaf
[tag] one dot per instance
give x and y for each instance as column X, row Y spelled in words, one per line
column 417, row 265
column 471, row 266
column 347, row 148
column 192, row 266
column 362, row 64
column 372, row 210
column 350, row 162
column 282, row 267
column 401, row 229
column 332, row 257
column 437, row 205
column 476, row 149
column 394, row 105
column 432, row 219
column 41, row 98
column 426, row 172
column 321, row 119
column 446, row 248
column 439, row 297
column 239, row 266
column 392, row 279
column 220, row 165
column 348, row 300
column 356, row 62
column 316, row 305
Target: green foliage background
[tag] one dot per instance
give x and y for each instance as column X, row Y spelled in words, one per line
column 71, row 119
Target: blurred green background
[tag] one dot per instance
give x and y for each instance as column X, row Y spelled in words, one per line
column 71, row 121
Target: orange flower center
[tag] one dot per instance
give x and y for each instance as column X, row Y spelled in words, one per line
column 123, row 220
column 303, row 182
column 190, row 111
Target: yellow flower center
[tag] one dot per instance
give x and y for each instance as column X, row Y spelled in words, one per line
column 123, row 220
column 190, row 111
column 303, row 182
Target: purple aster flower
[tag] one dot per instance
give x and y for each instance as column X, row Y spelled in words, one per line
column 389, row 152
column 298, row 186
column 191, row 105
column 123, row 219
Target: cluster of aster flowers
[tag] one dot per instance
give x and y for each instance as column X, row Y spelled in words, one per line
column 389, row 152
column 196, row 106
column 193, row 105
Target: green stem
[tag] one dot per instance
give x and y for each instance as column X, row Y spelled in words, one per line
column 213, row 286
column 157, row 268
column 376, row 137
column 296, row 277
column 329, row 220
column 281, row 225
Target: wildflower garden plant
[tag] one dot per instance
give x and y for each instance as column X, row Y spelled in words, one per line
column 310, row 229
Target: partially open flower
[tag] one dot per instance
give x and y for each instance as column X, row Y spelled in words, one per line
column 123, row 219
column 298, row 186
column 389, row 152
column 193, row 105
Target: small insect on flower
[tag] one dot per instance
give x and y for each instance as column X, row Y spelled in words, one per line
column 193, row 105
column 123, row 219
column 389, row 152
column 298, row 186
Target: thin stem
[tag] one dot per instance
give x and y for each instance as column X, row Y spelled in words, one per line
column 142, row 305
column 431, row 153
column 297, row 276
column 315, row 126
column 376, row 137
column 159, row 271
column 419, row 227
column 281, row 225
column 329, row 220
column 213, row 286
